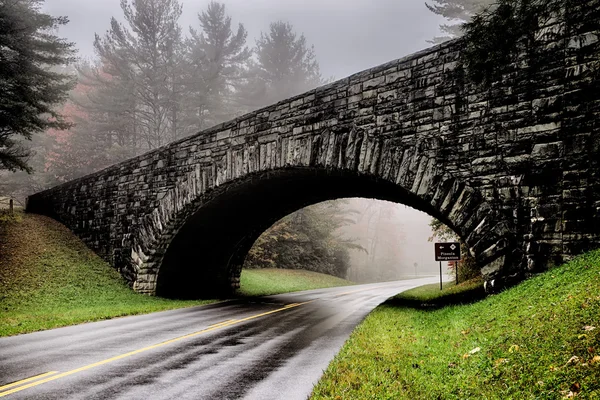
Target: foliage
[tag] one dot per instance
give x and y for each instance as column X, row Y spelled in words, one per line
column 286, row 66
column 265, row 282
column 495, row 37
column 307, row 239
column 467, row 267
column 456, row 10
column 538, row 340
column 31, row 84
column 215, row 61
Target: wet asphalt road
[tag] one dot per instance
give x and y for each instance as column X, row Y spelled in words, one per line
column 274, row 347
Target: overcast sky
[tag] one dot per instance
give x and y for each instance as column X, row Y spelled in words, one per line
column 348, row 35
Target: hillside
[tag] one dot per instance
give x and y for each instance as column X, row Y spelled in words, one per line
column 538, row 340
column 49, row 278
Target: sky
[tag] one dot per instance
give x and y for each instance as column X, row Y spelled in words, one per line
column 348, row 35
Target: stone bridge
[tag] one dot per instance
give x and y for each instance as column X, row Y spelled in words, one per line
column 513, row 168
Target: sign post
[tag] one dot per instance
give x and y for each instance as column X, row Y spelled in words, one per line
column 446, row 252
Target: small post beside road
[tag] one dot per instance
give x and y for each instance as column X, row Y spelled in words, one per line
column 440, row 275
column 10, row 206
column 447, row 252
column 456, row 270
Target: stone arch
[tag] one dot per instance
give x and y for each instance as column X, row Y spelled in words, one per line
column 194, row 242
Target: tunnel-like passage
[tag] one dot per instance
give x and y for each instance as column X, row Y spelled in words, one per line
column 205, row 255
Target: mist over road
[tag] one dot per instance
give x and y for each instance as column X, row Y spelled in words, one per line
column 272, row 347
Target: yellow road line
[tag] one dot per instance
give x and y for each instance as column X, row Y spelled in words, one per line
column 22, row 381
column 131, row 353
column 359, row 290
column 220, row 323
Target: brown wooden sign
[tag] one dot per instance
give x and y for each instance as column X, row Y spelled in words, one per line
column 447, row 251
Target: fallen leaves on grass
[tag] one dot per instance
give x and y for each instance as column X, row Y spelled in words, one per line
column 589, row 328
column 500, row 361
column 573, row 360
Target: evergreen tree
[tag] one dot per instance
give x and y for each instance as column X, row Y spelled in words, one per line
column 285, row 66
column 141, row 56
column 31, row 88
column 215, row 60
column 460, row 11
column 106, row 117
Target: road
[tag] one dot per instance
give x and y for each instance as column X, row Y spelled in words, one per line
column 273, row 347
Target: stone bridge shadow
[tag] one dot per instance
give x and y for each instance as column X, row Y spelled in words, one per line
column 198, row 249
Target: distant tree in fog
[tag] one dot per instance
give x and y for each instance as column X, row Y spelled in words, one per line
column 460, row 11
column 149, row 85
column 215, row 62
column 142, row 56
column 31, row 84
column 285, row 66
column 308, row 239
column 381, row 233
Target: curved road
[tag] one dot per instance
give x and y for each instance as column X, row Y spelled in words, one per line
column 273, row 347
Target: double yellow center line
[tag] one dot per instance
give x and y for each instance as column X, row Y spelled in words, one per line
column 54, row 375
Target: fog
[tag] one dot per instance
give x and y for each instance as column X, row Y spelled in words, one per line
column 396, row 239
column 348, row 35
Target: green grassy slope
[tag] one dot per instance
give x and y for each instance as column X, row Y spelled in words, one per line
column 263, row 282
column 538, row 340
column 49, row 278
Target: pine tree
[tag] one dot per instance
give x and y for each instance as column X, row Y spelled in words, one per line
column 456, row 10
column 286, row 66
column 108, row 99
column 215, row 60
column 31, row 84
column 142, row 55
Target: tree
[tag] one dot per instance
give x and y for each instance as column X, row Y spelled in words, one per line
column 285, row 66
column 308, row 239
column 30, row 87
column 379, row 227
column 140, row 57
column 460, row 11
column 215, row 61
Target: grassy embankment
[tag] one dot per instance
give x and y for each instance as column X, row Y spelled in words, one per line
column 538, row 340
column 49, row 278
column 263, row 282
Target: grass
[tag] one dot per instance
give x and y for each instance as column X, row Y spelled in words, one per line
column 264, row 282
column 431, row 297
column 49, row 278
column 538, row 340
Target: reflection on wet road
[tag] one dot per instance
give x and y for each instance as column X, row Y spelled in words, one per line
column 273, row 347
